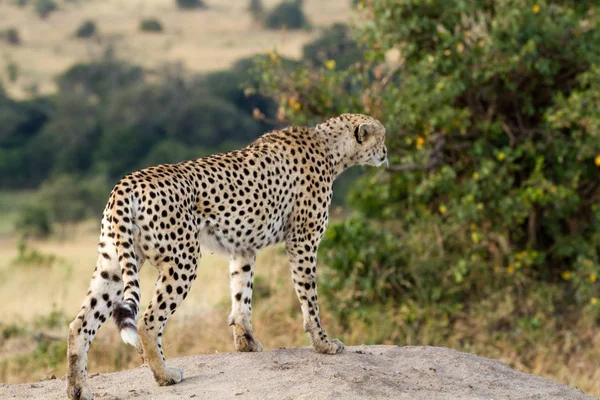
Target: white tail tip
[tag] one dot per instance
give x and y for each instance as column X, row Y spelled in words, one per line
column 131, row 336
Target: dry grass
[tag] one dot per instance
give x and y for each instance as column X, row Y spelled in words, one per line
column 202, row 40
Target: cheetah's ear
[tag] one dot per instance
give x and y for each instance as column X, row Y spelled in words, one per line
column 360, row 132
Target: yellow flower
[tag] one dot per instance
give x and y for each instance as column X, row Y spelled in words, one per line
column 442, row 208
column 501, row 156
column 552, row 189
column 566, row 275
column 330, row 64
column 535, row 8
column 475, row 175
column 597, row 160
column 293, row 103
column 594, row 300
column 475, row 237
column 460, row 47
column 510, row 269
column 360, row 6
column 593, row 278
column 420, row 142
column 480, row 206
column 447, row 52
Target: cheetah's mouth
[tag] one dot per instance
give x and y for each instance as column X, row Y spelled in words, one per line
column 383, row 161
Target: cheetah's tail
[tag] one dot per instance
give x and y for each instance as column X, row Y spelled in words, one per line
column 125, row 311
column 124, row 317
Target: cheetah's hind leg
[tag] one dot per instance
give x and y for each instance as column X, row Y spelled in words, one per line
column 105, row 290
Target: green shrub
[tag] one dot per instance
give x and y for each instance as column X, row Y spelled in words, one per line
column 63, row 200
column 151, row 25
column 190, row 4
column 11, row 36
column 44, row 7
column 288, row 14
column 257, row 9
column 86, row 29
column 32, row 257
column 492, row 113
column 34, row 220
column 334, row 43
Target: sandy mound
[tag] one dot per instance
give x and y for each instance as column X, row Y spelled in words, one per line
column 362, row 372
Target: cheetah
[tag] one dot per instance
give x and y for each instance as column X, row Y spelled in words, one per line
column 276, row 189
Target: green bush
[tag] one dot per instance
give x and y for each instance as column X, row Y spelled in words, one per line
column 288, row 14
column 62, row 201
column 44, row 7
column 257, row 9
column 87, row 29
column 34, row 220
column 334, row 43
column 492, row 111
column 11, row 36
column 151, row 25
column 190, row 4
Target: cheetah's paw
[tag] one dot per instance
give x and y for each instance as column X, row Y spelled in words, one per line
column 172, row 376
column 331, row 347
column 79, row 392
column 247, row 343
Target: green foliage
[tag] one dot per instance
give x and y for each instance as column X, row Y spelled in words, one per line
column 257, row 9
column 61, row 201
column 493, row 132
column 12, row 70
column 151, row 25
column 190, row 4
column 34, row 220
column 87, row 29
column 334, row 43
column 43, row 8
column 10, row 331
column 32, row 257
column 11, row 36
column 288, row 14
column 108, row 120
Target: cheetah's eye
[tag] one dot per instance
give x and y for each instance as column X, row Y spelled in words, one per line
column 358, row 134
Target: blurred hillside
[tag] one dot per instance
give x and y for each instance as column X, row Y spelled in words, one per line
column 201, row 39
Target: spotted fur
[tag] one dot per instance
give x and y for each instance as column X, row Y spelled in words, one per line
column 277, row 189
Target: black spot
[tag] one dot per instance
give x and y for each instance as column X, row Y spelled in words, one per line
column 238, row 296
column 246, row 268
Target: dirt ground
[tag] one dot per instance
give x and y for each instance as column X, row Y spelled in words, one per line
column 361, row 372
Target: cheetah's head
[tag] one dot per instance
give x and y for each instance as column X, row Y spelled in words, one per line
column 360, row 139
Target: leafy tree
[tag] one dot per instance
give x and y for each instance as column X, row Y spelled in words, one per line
column 87, row 29
column 257, row 9
column 288, row 14
column 11, row 35
column 492, row 112
column 335, row 43
column 151, row 25
column 44, row 7
column 190, row 4
column 100, row 78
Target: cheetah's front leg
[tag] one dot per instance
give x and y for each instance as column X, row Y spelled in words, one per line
column 303, row 261
column 241, row 272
